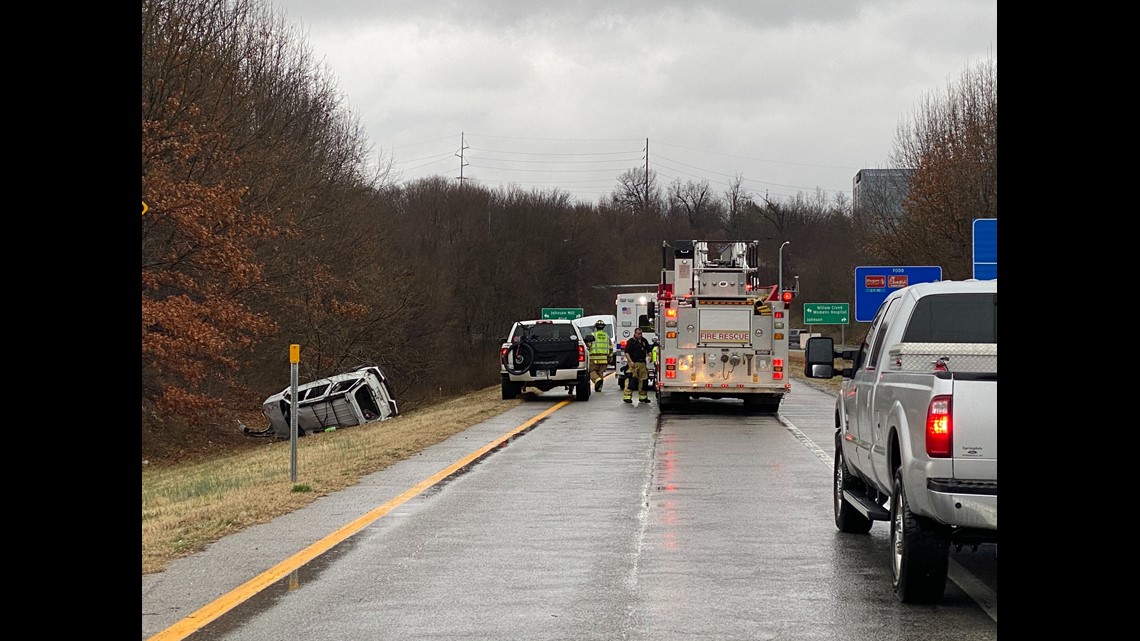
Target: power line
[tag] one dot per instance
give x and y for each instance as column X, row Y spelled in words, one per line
column 551, row 162
column 530, row 153
column 779, row 162
column 747, row 179
column 547, row 161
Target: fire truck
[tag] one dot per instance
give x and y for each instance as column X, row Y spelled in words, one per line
column 722, row 334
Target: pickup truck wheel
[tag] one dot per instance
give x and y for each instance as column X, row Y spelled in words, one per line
column 510, row 389
column 920, row 551
column 583, row 390
column 847, row 518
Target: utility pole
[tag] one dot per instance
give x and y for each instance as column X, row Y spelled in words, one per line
column 462, row 162
column 645, row 205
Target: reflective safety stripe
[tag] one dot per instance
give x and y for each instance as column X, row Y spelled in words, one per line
column 601, row 345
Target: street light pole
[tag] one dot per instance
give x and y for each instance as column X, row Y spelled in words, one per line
column 780, row 283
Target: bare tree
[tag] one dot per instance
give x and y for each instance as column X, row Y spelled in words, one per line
column 637, row 193
column 697, row 203
column 952, row 145
column 248, row 156
column 736, row 197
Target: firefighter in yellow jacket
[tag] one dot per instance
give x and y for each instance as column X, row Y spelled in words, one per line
column 599, row 354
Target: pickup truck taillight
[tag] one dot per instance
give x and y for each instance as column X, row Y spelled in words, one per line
column 581, row 353
column 939, row 427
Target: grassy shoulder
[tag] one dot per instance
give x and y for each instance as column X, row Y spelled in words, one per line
column 796, row 367
column 186, row 506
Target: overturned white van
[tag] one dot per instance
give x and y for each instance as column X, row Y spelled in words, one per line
column 354, row 398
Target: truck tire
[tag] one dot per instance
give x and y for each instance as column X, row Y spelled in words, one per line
column 847, row 518
column 920, row 551
column 761, row 403
column 583, row 390
column 671, row 400
column 510, row 389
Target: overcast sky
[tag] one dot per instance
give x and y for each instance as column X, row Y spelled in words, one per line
column 792, row 95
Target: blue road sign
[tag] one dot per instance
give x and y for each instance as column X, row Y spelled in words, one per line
column 985, row 248
column 873, row 284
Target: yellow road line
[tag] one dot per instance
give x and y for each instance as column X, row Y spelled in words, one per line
column 237, row 596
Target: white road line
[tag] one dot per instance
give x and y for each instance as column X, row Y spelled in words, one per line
column 975, row 588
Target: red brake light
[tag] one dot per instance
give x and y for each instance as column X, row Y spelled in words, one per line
column 786, row 296
column 939, row 427
column 581, row 353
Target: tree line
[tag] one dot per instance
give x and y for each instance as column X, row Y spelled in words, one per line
column 272, row 222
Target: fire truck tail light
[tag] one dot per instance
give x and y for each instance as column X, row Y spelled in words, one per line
column 777, row 314
column 670, row 313
column 939, row 427
column 777, row 376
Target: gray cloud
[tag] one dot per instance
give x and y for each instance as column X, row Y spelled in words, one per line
column 793, row 94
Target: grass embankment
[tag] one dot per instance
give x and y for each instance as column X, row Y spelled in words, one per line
column 187, row 506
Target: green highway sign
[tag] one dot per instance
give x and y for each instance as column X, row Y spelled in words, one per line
column 561, row 313
column 826, row 313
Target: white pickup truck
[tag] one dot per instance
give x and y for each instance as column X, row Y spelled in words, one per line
column 544, row 354
column 916, row 428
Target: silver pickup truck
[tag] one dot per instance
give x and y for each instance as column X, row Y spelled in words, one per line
column 916, row 428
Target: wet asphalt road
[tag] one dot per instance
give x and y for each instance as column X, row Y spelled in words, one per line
column 602, row 521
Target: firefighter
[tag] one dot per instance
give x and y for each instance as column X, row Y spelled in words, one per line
column 599, row 354
column 637, row 349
